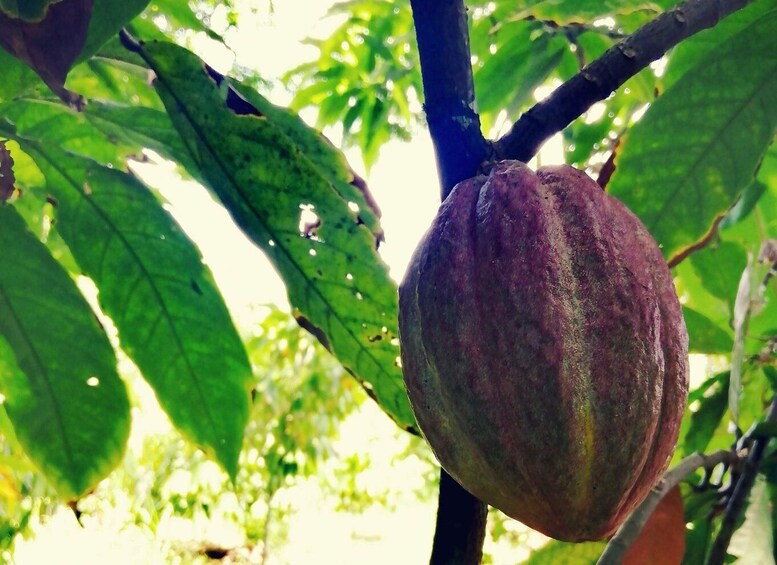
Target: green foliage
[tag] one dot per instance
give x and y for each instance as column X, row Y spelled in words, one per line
column 678, row 185
column 701, row 153
column 327, row 259
column 58, row 378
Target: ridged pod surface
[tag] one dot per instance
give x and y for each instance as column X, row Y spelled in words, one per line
column 544, row 349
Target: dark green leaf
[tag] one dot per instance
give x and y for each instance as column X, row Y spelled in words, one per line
column 171, row 319
column 58, row 375
column 336, row 282
column 700, row 143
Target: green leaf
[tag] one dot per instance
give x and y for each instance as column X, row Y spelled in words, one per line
column 561, row 553
column 689, row 53
column 740, row 211
column 18, row 78
column 339, row 287
column 58, row 375
column 108, row 17
column 752, row 543
column 137, row 126
column 704, row 335
column 700, row 143
column 55, row 124
column 706, row 418
column 508, row 78
column 171, row 318
column 719, row 269
column 324, row 156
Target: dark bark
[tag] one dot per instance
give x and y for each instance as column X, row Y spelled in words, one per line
column 607, row 73
column 460, row 148
column 449, row 90
column 461, row 525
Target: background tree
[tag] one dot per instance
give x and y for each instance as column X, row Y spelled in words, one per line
column 686, row 143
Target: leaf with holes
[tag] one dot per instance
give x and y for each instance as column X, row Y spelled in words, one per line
column 171, row 318
column 58, row 375
column 337, row 284
column 699, row 145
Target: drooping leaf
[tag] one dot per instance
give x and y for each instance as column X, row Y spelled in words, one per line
column 662, row 538
column 141, row 127
column 48, row 41
column 700, row 143
column 171, row 318
column 58, row 375
column 336, row 282
column 7, row 178
column 325, row 156
column 53, row 123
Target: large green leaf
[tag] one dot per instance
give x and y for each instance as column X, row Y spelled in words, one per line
column 58, row 375
column 339, row 287
column 325, row 156
column 690, row 52
column 700, row 143
column 171, row 319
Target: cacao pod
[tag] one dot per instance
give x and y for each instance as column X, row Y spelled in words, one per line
column 544, row 349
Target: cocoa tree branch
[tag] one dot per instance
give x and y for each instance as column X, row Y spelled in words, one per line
column 449, row 89
column 461, row 525
column 460, row 148
column 607, row 73
column 628, row 532
column 737, row 502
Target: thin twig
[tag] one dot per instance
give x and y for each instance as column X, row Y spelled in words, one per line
column 737, row 502
column 628, row 532
column 607, row 73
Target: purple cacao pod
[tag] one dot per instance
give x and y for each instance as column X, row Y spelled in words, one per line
column 544, row 349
